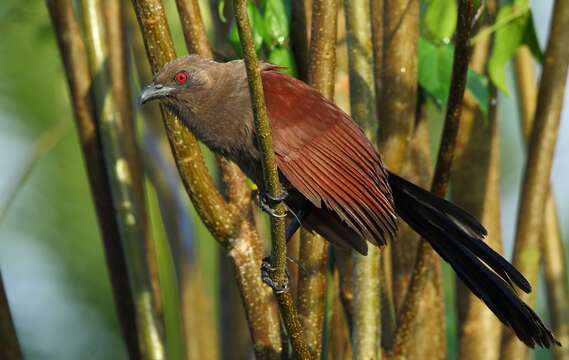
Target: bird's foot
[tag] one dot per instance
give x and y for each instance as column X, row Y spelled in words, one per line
column 266, row 270
column 266, row 200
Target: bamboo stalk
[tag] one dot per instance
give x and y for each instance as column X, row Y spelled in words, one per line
column 426, row 256
column 129, row 206
column 476, row 188
column 230, row 227
column 541, row 149
column 79, row 81
column 271, row 183
column 196, row 306
column 555, row 267
column 366, row 278
column 395, row 27
column 313, row 248
column 300, row 34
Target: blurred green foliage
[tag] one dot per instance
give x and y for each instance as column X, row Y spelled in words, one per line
column 271, row 29
column 514, row 28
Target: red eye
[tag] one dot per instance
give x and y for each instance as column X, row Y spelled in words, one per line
column 181, row 77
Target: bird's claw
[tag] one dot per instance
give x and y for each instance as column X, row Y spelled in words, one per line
column 266, row 270
column 266, row 199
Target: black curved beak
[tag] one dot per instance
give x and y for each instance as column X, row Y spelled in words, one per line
column 153, row 92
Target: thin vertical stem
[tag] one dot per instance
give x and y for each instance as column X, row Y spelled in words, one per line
column 129, row 206
column 271, row 182
column 366, row 278
column 79, row 81
column 426, row 256
column 395, row 26
column 231, row 227
column 554, row 264
column 541, row 148
column 476, row 188
column 313, row 248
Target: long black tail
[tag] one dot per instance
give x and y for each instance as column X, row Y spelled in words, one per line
column 458, row 238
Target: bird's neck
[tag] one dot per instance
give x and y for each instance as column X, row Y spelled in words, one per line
column 223, row 121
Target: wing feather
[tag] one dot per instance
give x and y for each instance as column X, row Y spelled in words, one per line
column 327, row 157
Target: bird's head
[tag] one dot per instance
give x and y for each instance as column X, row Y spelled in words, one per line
column 183, row 82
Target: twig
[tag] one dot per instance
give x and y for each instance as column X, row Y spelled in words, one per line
column 366, row 278
column 228, row 225
column 271, row 181
column 476, row 188
column 426, row 256
column 72, row 52
column 313, row 248
column 9, row 344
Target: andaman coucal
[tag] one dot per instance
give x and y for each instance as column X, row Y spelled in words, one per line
column 336, row 181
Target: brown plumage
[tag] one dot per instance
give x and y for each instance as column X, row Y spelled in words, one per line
column 336, row 180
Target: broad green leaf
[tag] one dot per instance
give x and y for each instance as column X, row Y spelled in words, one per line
column 435, row 72
column 440, row 20
column 283, row 57
column 276, row 22
column 517, row 30
column 258, row 26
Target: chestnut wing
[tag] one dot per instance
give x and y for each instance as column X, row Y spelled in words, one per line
column 327, row 157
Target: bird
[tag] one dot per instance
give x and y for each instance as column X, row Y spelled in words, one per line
column 336, row 182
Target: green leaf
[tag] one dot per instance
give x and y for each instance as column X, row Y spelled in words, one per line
column 258, row 26
column 440, row 20
column 283, row 57
column 435, row 72
column 276, row 20
column 509, row 37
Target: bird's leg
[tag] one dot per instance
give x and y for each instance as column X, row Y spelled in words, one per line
column 265, row 200
column 266, row 270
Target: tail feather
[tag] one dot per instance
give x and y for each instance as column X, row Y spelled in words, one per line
column 458, row 238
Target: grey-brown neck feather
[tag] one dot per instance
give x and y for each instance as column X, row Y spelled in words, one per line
column 221, row 115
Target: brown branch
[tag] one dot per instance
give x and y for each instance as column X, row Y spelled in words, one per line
column 426, row 256
column 419, row 169
column 476, row 188
column 210, row 205
column 9, row 344
column 313, row 248
column 76, row 67
column 300, row 34
column 115, row 26
column 395, row 30
column 271, row 182
column 129, row 207
column 541, row 149
column 197, row 42
column 229, row 226
column 396, row 79
column 555, row 267
column 366, row 278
